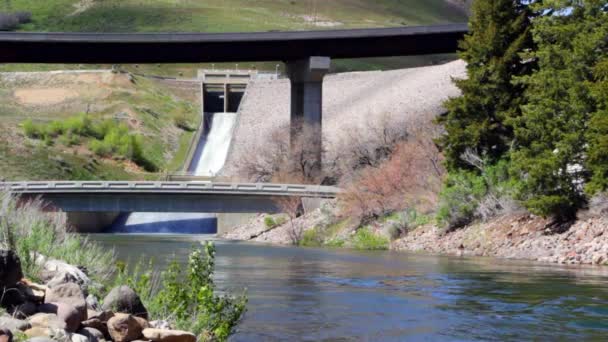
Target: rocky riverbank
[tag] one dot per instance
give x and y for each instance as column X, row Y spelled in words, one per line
column 514, row 236
column 63, row 309
column 517, row 236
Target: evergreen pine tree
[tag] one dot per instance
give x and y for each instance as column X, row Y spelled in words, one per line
column 551, row 145
column 597, row 159
column 477, row 120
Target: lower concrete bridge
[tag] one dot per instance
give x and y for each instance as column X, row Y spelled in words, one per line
column 181, row 197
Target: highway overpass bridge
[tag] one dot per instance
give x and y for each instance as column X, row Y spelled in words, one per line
column 307, row 55
column 178, row 197
column 93, row 206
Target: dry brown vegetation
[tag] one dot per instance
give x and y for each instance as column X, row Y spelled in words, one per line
column 411, row 177
column 387, row 169
column 292, row 207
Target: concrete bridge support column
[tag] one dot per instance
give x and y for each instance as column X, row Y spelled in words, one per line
column 226, row 97
column 306, row 78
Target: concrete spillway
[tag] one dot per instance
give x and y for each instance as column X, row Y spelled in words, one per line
column 208, row 160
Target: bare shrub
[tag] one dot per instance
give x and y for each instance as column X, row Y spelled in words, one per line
column 283, row 158
column 497, row 200
column 410, row 178
column 292, row 207
column 23, row 17
column 363, row 148
column 10, row 21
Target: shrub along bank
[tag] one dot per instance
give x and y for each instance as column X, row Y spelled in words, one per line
column 50, row 283
column 105, row 138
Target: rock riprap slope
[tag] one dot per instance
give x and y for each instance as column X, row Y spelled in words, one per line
column 353, row 103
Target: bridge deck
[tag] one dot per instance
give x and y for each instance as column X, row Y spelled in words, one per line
column 24, row 47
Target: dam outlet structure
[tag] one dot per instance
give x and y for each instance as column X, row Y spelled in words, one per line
column 221, row 93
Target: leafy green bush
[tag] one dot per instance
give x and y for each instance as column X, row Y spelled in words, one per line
column 54, row 129
column 274, row 221
column 269, row 222
column 400, row 223
column 468, row 195
column 106, row 138
column 100, row 148
column 460, row 198
column 311, row 238
column 365, row 239
column 32, row 130
column 187, row 296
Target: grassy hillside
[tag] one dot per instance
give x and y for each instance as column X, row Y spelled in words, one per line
column 149, row 109
column 228, row 15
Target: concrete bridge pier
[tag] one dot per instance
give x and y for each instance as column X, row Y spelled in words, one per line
column 306, row 76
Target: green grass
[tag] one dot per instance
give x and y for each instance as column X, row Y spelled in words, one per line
column 29, row 231
column 230, row 15
column 177, row 163
column 365, row 239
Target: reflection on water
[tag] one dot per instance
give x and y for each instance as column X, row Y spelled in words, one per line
column 301, row 294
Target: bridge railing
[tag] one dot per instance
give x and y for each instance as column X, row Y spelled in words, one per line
column 42, row 187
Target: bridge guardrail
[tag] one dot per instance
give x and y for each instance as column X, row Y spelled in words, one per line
column 186, row 187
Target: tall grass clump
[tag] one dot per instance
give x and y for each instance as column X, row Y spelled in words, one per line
column 32, row 233
column 187, row 296
column 365, row 239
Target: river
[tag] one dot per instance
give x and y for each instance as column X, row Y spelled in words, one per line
column 302, row 294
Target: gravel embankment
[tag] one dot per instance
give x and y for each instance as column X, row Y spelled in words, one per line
column 353, row 102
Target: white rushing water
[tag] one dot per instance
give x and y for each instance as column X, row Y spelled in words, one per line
column 208, row 159
column 213, row 154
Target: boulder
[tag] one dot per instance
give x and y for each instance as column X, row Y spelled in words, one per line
column 99, row 321
column 124, row 299
column 33, row 292
column 38, row 332
column 93, row 303
column 97, row 324
column 13, row 324
column 56, row 272
column 25, row 310
column 79, row 338
column 11, row 297
column 124, row 328
column 40, row 339
column 162, row 335
column 46, row 320
column 10, row 269
column 92, row 334
column 64, row 312
column 160, row 324
column 6, row 335
column 69, row 293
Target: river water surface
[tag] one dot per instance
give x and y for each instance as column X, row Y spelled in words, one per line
column 301, row 294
